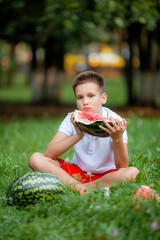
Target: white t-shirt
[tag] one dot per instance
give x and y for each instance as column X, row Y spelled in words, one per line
column 93, row 154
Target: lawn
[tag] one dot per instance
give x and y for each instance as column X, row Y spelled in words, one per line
column 20, row 91
column 74, row 216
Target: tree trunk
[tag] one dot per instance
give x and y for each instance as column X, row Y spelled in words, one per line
column 148, row 72
column 36, row 77
column 132, row 30
column 47, row 76
column 1, row 84
column 11, row 69
column 129, row 67
column 54, row 74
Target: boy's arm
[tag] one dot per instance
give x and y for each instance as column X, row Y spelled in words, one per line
column 61, row 143
column 120, row 154
column 120, row 149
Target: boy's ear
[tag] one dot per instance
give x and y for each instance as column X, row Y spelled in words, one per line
column 104, row 98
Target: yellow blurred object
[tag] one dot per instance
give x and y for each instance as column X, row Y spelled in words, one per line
column 104, row 59
column 73, row 59
column 106, row 49
column 94, row 60
column 135, row 62
column 104, row 56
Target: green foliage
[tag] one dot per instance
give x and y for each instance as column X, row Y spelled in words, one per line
column 20, row 20
column 62, row 21
column 122, row 14
column 60, row 26
column 72, row 20
column 74, row 216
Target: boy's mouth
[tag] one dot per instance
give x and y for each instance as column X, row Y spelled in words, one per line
column 87, row 109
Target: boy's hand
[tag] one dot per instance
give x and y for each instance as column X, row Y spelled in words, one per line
column 116, row 131
column 78, row 130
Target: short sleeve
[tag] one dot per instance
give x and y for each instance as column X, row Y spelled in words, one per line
column 66, row 126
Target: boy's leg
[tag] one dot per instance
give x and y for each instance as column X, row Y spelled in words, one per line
column 39, row 162
column 128, row 174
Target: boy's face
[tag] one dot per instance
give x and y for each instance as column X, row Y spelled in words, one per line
column 89, row 98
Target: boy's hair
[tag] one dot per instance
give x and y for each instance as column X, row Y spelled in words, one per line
column 89, row 76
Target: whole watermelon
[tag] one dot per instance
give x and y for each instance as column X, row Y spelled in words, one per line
column 33, row 187
column 89, row 122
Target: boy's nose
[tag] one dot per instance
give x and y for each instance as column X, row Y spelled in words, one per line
column 85, row 101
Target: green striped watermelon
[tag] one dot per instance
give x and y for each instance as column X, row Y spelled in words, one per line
column 89, row 122
column 33, row 187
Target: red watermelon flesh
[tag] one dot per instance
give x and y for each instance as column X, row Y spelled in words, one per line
column 89, row 122
column 144, row 192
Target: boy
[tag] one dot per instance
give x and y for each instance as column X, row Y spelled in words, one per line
column 95, row 159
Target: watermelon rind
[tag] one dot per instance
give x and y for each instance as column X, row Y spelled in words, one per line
column 34, row 187
column 93, row 127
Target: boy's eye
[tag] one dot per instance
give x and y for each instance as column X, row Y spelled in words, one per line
column 79, row 98
column 91, row 96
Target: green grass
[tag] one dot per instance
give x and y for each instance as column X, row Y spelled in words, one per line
column 16, row 94
column 21, row 92
column 74, row 216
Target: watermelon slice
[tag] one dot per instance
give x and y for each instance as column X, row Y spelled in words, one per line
column 89, row 122
column 145, row 192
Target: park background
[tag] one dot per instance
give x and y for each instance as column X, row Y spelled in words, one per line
column 43, row 45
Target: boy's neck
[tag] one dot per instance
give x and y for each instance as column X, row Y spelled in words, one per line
column 100, row 111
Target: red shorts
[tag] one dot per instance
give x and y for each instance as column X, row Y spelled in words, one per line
column 74, row 171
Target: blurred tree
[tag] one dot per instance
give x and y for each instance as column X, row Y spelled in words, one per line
column 66, row 24
column 139, row 24
column 58, row 25
column 20, row 21
column 55, row 25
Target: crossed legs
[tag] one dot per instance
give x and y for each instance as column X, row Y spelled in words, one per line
column 39, row 162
